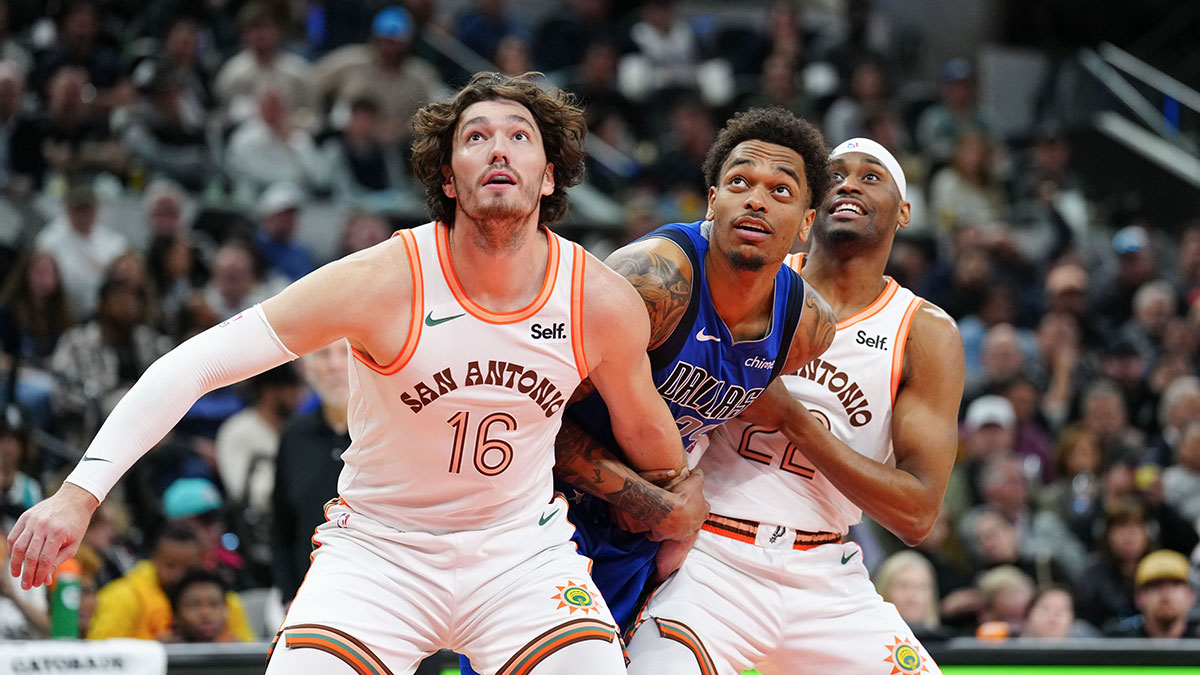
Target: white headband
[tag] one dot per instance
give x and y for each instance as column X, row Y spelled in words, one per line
column 872, row 149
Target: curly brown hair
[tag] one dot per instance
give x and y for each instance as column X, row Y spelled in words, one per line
column 780, row 127
column 559, row 120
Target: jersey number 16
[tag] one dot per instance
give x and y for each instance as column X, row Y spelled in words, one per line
column 485, row 447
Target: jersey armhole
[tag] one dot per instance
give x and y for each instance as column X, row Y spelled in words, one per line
column 578, row 267
column 794, row 310
column 901, row 343
column 418, row 309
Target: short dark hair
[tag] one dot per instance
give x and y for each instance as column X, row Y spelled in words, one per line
column 778, row 126
column 558, row 118
column 194, row 576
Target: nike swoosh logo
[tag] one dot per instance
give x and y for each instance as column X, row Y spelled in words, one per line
column 706, row 338
column 96, row 459
column 430, row 321
column 846, row 558
column 545, row 519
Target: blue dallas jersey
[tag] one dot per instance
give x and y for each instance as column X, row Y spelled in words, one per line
column 706, row 378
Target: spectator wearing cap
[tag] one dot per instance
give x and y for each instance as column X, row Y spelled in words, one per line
column 1068, row 289
column 278, row 217
column 260, row 63
column 384, row 70
column 1136, row 265
column 956, row 113
column 1041, row 535
column 1165, row 596
column 82, row 246
column 988, row 430
column 197, row 504
column 136, row 604
column 270, row 148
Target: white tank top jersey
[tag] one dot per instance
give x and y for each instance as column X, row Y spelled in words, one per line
column 457, row 433
column 754, row 473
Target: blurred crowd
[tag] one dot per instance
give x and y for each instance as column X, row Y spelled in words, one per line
column 1073, row 508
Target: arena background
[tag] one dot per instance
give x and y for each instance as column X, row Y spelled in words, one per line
column 1089, row 111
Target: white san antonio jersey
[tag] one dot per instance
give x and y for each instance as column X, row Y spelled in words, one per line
column 458, row 432
column 754, row 473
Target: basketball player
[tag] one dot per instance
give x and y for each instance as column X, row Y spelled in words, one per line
column 726, row 318
column 468, row 335
column 867, row 427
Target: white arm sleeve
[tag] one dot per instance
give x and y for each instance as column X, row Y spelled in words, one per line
column 239, row 348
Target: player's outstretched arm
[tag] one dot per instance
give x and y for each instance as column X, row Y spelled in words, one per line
column 905, row 499
column 320, row 308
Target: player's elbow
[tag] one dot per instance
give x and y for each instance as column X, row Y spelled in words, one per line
column 916, row 526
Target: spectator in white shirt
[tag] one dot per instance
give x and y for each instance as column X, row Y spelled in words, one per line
column 82, row 247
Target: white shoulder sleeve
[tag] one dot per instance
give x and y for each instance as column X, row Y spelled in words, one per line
column 239, row 348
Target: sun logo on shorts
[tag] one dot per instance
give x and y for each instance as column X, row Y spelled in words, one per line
column 575, row 598
column 905, row 658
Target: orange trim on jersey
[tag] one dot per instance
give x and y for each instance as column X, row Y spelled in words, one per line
column 418, row 308
column 482, row 313
column 578, row 265
column 874, row 308
column 795, row 261
column 901, row 343
column 726, row 532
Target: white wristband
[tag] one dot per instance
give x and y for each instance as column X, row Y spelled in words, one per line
column 239, row 348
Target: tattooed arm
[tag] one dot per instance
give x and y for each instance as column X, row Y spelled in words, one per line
column 662, row 276
column 667, row 514
column 814, row 333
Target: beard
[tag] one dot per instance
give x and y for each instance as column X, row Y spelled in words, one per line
column 839, row 236
column 501, row 222
column 744, row 262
